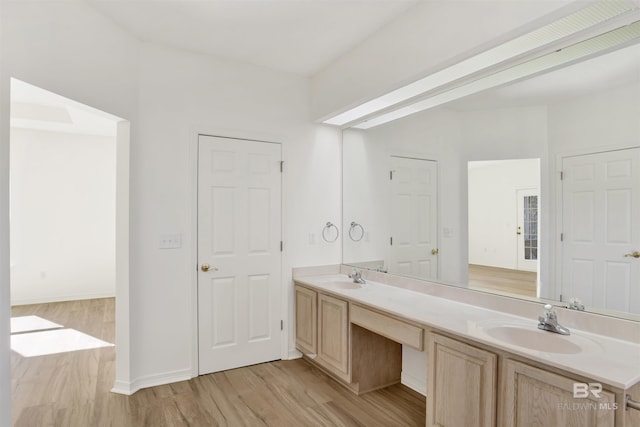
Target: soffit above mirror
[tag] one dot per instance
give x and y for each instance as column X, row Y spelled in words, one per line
column 598, row 28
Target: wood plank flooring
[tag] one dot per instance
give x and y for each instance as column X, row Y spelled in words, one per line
column 73, row 389
column 502, row 280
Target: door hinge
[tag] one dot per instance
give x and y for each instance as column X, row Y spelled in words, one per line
column 282, row 325
column 562, row 237
column 561, row 175
column 281, row 245
column 391, row 175
column 281, row 166
column 391, row 241
column 560, row 297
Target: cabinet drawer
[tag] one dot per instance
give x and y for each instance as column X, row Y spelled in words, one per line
column 389, row 327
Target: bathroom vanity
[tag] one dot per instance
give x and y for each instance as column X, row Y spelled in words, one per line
column 485, row 367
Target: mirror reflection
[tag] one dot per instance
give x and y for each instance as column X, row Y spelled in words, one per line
column 530, row 190
column 503, row 201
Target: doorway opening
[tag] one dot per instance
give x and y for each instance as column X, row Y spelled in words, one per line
column 69, row 216
column 504, row 224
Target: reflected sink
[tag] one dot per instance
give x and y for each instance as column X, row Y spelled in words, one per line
column 534, row 339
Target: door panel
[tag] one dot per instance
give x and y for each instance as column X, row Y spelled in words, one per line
column 601, row 201
column 239, row 233
column 414, row 218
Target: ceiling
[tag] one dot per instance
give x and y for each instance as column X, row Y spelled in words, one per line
column 305, row 36
column 297, row 36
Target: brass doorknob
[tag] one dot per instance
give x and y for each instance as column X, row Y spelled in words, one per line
column 207, row 267
column 635, row 254
column 434, row 252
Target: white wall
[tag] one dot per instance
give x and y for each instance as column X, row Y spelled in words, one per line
column 228, row 99
column 169, row 96
column 493, row 209
column 62, row 216
column 5, row 305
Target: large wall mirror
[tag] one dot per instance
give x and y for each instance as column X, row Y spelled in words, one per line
column 530, row 190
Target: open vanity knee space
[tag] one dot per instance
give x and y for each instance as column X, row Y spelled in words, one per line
column 484, row 367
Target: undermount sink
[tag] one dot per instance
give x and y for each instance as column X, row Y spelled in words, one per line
column 342, row 283
column 534, row 339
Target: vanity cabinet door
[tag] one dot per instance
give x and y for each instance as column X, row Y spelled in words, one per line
column 461, row 384
column 333, row 335
column 534, row 397
column 306, row 320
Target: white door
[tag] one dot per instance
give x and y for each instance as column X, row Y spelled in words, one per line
column 600, row 216
column 527, row 232
column 239, row 244
column 414, row 217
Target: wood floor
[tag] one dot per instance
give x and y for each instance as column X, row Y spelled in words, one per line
column 514, row 282
column 73, row 389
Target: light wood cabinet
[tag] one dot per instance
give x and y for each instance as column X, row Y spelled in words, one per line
column 462, row 379
column 361, row 346
column 306, row 320
column 534, row 397
column 397, row 330
column 333, row 335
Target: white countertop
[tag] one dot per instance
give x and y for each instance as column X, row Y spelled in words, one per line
column 607, row 360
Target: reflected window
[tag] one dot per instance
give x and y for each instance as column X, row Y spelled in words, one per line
column 530, row 227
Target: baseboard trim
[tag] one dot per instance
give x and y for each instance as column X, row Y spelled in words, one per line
column 294, row 354
column 61, row 298
column 414, row 383
column 129, row 388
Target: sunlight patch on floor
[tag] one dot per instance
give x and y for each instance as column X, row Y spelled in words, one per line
column 31, row 323
column 53, row 342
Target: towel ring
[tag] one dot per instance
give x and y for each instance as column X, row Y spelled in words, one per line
column 329, row 226
column 355, row 226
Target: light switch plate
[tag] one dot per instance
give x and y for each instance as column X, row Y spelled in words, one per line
column 170, row 241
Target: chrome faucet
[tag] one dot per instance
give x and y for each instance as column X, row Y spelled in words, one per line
column 549, row 322
column 356, row 275
column 575, row 304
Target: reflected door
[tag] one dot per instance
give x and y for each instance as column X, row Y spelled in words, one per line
column 601, row 229
column 527, row 232
column 239, row 258
column 414, row 236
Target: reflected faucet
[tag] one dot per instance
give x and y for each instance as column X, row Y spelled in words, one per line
column 356, row 275
column 549, row 322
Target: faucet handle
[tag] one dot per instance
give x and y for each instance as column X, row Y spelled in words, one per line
column 549, row 313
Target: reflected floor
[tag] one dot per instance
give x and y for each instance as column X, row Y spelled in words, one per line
column 503, row 280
